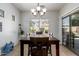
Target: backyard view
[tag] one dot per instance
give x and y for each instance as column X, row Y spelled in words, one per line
column 39, row 25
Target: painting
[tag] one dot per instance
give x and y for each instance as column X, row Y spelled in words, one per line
column 13, row 17
column 0, row 26
column 1, row 13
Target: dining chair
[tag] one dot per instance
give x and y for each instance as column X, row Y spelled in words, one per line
column 39, row 46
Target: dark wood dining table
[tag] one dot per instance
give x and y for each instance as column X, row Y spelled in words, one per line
column 52, row 41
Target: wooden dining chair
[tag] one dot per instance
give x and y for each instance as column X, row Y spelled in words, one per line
column 39, row 46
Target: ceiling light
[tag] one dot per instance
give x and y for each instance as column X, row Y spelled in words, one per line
column 39, row 10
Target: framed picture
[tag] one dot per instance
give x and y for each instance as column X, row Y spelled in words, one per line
column 13, row 17
column 1, row 13
column 0, row 26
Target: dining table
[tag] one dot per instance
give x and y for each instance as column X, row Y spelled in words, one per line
column 52, row 41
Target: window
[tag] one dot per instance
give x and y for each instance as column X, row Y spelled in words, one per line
column 39, row 25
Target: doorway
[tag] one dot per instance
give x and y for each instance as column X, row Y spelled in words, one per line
column 70, row 32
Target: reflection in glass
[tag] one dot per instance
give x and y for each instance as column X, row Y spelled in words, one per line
column 65, row 31
column 70, row 32
column 75, row 31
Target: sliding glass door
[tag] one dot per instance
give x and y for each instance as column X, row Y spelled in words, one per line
column 70, row 32
column 66, row 31
column 75, row 32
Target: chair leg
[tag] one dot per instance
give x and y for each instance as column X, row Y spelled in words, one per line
column 50, row 50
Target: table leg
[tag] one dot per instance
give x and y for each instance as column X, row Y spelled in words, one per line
column 50, row 50
column 21, row 49
column 57, row 49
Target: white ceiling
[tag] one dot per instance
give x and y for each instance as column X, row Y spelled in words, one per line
column 29, row 6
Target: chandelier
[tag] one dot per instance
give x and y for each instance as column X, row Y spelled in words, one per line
column 39, row 10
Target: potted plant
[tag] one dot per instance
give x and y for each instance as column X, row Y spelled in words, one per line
column 21, row 32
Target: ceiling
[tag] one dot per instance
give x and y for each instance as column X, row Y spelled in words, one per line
column 29, row 6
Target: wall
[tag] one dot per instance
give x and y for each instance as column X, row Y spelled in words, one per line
column 9, row 27
column 66, row 10
column 51, row 16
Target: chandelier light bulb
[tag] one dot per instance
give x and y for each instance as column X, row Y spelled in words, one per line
column 44, row 10
column 41, row 13
column 32, row 10
column 34, row 13
column 38, row 8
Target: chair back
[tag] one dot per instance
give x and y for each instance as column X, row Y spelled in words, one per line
column 40, row 45
column 39, row 41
